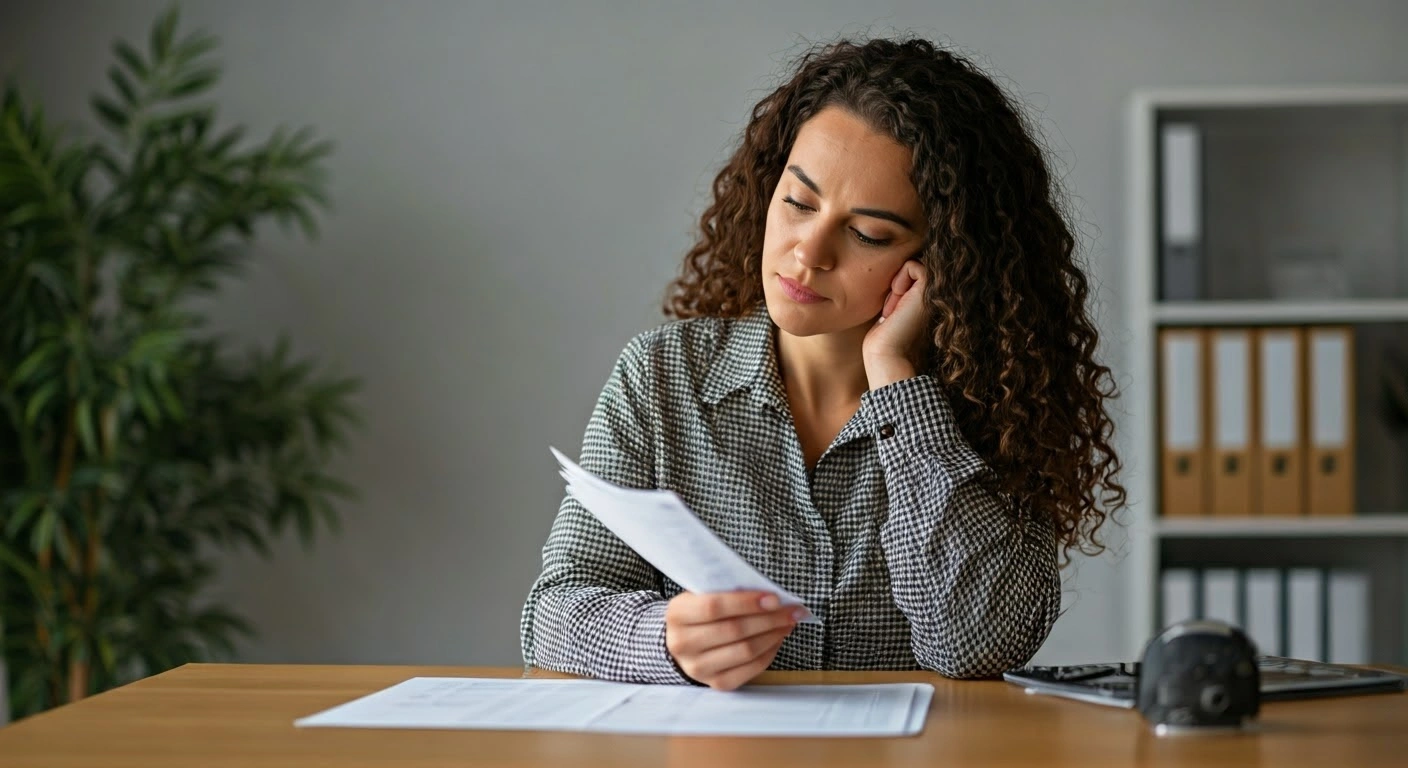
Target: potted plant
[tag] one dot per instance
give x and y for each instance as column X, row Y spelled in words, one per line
column 135, row 444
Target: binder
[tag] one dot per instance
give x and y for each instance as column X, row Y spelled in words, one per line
column 1280, row 476
column 1221, row 595
column 1183, row 486
column 1181, row 216
column 1176, row 591
column 1330, row 391
column 1230, row 422
column 1304, row 621
column 1348, row 603
column 1263, row 608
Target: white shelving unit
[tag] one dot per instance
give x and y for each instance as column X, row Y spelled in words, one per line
column 1171, row 313
column 1365, row 526
column 1148, row 532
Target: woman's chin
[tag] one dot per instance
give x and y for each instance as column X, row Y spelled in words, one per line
column 801, row 319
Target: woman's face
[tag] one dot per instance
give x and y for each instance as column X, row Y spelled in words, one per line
column 843, row 220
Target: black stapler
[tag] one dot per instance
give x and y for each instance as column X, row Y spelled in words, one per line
column 1197, row 675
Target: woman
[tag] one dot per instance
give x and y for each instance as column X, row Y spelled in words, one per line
column 879, row 388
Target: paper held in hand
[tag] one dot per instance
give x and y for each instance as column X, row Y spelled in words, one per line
column 661, row 528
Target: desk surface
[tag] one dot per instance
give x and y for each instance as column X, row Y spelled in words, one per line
column 215, row 715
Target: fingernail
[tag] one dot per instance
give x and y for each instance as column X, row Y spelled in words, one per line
column 799, row 614
column 769, row 602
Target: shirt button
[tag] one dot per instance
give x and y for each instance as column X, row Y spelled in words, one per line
column 887, row 431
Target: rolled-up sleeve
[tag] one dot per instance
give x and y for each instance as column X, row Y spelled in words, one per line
column 596, row 608
column 977, row 579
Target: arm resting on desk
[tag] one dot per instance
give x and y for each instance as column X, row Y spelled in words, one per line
column 596, row 608
column 978, row 582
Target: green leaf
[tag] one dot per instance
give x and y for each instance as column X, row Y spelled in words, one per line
column 194, row 47
column 38, row 359
column 148, row 405
column 194, row 82
column 111, row 115
column 108, row 162
column 130, row 58
column 124, row 86
column 39, row 399
column 42, row 538
column 22, row 513
column 88, row 436
column 64, row 547
column 23, row 215
column 47, row 274
column 156, row 345
column 164, row 32
column 13, row 561
column 107, row 653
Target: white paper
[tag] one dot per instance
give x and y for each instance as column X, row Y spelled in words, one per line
column 464, row 702
column 896, row 709
column 661, row 528
column 774, row 710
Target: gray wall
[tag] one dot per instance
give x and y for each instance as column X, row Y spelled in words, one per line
column 515, row 185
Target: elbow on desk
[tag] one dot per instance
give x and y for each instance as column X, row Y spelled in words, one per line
column 973, row 666
column 969, row 657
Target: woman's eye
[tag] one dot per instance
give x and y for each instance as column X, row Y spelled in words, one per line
column 861, row 236
column 869, row 240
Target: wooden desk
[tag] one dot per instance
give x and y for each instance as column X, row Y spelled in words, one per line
column 214, row 715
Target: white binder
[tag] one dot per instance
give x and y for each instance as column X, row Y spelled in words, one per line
column 1220, row 597
column 1183, row 465
column 1231, row 422
column 1176, row 589
column 1303, row 614
column 1280, row 486
column 1330, row 465
column 1349, row 616
column 1264, row 610
column 1181, row 216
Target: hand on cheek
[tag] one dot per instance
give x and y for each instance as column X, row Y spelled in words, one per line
column 904, row 317
column 900, row 287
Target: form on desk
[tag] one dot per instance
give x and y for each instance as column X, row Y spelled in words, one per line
column 896, row 709
column 661, row 528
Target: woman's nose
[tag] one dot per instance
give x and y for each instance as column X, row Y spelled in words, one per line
column 815, row 250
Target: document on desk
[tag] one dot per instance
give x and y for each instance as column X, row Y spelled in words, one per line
column 891, row 709
column 662, row 529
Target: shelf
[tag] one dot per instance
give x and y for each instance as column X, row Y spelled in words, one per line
column 1272, row 312
column 1274, row 96
column 1383, row 526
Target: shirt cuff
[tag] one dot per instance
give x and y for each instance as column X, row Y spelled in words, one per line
column 912, row 417
column 657, row 665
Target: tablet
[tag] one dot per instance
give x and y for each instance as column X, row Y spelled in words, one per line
column 1114, row 684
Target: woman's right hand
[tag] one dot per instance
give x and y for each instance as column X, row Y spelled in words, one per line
column 725, row 639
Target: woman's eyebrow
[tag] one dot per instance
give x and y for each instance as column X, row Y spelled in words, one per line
column 876, row 213
column 799, row 173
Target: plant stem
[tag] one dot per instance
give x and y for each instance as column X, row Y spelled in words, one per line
column 77, row 680
column 67, row 455
column 79, row 671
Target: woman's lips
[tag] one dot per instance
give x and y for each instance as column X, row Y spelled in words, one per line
column 798, row 292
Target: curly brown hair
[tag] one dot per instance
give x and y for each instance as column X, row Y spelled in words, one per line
column 1012, row 342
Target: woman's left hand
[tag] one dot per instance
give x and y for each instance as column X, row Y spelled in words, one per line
column 891, row 347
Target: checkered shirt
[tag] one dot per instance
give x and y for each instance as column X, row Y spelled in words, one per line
column 891, row 541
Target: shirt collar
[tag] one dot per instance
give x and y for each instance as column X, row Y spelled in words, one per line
column 747, row 360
